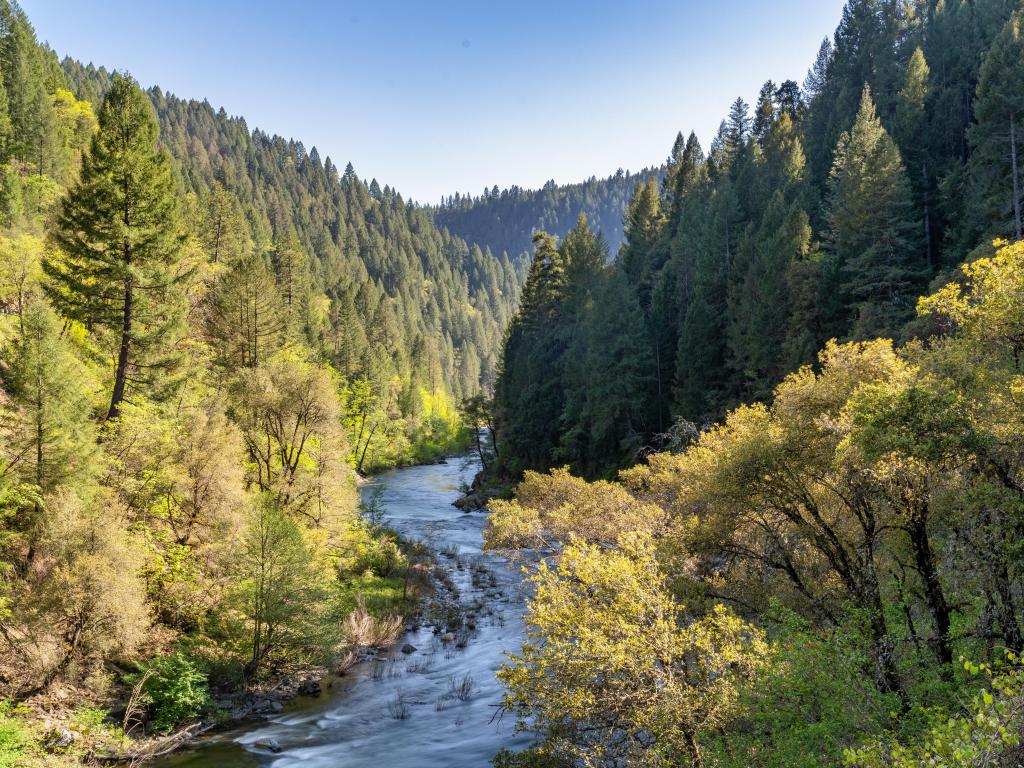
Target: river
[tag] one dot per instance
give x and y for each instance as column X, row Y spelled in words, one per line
column 355, row 723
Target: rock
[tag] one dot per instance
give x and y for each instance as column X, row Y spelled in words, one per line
column 62, row 738
column 310, row 687
column 447, row 637
column 408, row 648
column 271, row 745
column 262, row 705
column 276, row 707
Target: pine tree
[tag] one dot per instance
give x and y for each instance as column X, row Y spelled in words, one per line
column 760, row 307
column 6, row 129
column 289, row 271
column 876, row 250
column 640, row 258
column 223, row 228
column 24, row 79
column 54, row 433
column 765, row 110
column 998, row 135
column 121, row 267
column 688, row 175
column 603, row 424
column 529, row 395
column 910, row 133
column 245, row 319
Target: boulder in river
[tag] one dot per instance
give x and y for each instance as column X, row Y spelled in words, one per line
column 271, row 745
column 408, row 648
column 310, row 687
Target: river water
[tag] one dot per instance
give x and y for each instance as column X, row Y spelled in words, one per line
column 355, row 722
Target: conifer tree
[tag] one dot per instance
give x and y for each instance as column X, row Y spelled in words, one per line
column 54, row 434
column 688, row 175
column 245, row 319
column 875, row 245
column 997, row 137
column 24, row 79
column 529, row 396
column 6, row 129
column 223, row 228
column 910, row 133
column 644, row 227
column 604, row 421
column 121, row 266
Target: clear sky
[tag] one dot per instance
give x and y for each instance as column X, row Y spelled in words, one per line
column 444, row 96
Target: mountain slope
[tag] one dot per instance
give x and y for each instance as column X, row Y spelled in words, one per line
column 504, row 221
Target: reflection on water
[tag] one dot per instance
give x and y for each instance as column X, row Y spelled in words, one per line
column 354, row 725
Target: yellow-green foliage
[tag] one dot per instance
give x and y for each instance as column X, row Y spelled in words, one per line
column 15, row 740
column 550, row 508
column 616, row 670
column 382, row 438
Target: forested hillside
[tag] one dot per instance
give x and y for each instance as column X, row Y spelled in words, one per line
column 822, row 212
column 787, row 529
column 384, row 294
column 504, row 221
column 206, row 334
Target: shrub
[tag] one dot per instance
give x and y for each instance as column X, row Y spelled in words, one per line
column 176, row 690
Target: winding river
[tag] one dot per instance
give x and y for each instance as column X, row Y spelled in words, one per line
column 399, row 711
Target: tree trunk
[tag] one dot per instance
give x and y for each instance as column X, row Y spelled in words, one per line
column 924, row 560
column 121, row 374
column 1016, row 178
column 927, row 218
column 693, row 748
column 480, row 447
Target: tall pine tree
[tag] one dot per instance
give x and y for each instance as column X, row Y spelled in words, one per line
column 997, row 138
column 876, row 250
column 120, row 265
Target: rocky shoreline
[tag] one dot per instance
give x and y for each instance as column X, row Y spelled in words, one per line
column 480, row 492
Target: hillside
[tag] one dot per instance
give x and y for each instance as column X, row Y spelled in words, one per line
column 504, row 221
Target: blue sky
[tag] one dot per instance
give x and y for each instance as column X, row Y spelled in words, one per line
column 446, row 96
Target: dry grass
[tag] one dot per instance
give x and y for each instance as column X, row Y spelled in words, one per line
column 362, row 629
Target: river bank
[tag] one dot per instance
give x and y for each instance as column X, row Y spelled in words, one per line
column 430, row 700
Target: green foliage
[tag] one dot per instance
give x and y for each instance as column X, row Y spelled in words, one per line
column 503, row 221
column 986, row 735
column 175, row 688
column 120, row 261
column 995, row 164
column 822, row 215
column 873, row 232
column 813, row 698
column 280, row 596
column 15, row 740
column 865, row 519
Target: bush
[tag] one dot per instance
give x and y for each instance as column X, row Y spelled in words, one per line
column 175, row 688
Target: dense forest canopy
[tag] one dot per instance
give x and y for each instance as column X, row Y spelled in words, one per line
column 505, row 220
column 821, row 212
column 207, row 334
